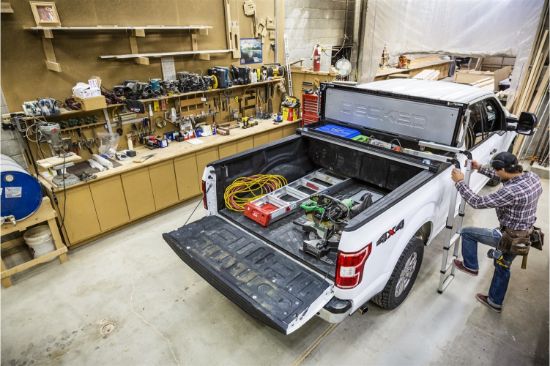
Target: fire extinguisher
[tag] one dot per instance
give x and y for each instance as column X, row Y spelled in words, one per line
column 317, row 58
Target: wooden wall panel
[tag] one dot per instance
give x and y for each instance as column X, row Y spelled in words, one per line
column 24, row 74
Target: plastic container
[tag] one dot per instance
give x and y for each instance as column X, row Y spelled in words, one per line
column 20, row 192
column 40, row 240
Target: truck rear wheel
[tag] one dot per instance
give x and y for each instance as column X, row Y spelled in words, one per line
column 403, row 276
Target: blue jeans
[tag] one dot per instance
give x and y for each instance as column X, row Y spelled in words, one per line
column 499, row 284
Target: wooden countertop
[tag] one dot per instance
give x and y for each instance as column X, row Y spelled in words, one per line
column 415, row 66
column 175, row 149
column 311, row 72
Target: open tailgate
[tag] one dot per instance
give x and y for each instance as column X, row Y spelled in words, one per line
column 262, row 281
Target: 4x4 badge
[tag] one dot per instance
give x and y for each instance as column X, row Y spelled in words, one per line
column 388, row 234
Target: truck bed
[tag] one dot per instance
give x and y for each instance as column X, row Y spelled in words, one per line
column 285, row 235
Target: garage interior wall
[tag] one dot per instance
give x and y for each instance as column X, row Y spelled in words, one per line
column 308, row 22
column 468, row 28
column 24, row 74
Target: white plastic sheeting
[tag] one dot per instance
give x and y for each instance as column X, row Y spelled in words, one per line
column 459, row 27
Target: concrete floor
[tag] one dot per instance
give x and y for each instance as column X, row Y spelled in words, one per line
column 128, row 299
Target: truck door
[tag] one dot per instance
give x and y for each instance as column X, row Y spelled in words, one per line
column 486, row 134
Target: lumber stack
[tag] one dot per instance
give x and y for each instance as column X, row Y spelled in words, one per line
column 534, row 84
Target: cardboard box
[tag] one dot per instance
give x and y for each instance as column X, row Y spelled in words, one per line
column 92, row 103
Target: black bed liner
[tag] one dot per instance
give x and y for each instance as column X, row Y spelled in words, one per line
column 260, row 280
column 286, row 236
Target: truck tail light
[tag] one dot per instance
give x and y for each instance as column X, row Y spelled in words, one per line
column 349, row 267
column 204, row 201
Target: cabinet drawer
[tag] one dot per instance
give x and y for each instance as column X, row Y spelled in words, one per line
column 80, row 215
column 110, row 203
column 163, row 181
column 261, row 139
column 204, row 157
column 138, row 192
column 245, row 144
column 289, row 130
column 276, row 134
column 227, row 149
column 187, row 176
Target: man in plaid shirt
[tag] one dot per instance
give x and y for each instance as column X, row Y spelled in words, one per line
column 516, row 206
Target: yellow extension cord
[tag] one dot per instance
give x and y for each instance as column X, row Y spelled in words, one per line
column 246, row 189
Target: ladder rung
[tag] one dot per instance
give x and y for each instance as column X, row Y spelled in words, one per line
column 446, row 283
column 449, row 266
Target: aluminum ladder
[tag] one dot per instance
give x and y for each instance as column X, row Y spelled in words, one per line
column 453, row 225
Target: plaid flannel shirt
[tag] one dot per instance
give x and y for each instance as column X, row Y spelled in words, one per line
column 515, row 202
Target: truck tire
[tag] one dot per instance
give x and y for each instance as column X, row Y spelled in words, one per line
column 403, row 276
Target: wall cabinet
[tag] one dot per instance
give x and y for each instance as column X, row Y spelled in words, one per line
column 163, row 182
column 138, row 193
column 109, row 202
column 187, row 176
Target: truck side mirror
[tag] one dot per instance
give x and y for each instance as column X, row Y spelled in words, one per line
column 526, row 123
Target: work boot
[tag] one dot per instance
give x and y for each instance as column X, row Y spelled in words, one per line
column 460, row 266
column 484, row 299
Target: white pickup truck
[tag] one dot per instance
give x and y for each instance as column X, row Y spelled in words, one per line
column 372, row 251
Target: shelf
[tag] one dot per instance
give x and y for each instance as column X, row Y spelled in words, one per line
column 179, row 95
column 134, row 32
column 68, row 113
column 101, row 28
column 162, row 54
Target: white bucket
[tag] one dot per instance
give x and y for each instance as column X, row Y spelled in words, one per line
column 40, row 240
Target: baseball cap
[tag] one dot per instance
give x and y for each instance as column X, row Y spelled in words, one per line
column 504, row 160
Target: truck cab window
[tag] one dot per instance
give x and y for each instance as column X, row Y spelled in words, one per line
column 476, row 129
column 493, row 116
column 485, row 117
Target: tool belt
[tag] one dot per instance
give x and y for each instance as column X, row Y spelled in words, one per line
column 516, row 242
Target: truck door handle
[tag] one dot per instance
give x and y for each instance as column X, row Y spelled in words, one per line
column 493, row 151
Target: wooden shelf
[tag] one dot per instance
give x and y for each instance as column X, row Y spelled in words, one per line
column 162, row 54
column 101, row 28
column 68, row 113
column 179, row 95
column 47, row 214
column 134, row 32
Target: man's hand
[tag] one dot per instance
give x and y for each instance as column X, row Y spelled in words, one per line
column 457, row 175
column 475, row 165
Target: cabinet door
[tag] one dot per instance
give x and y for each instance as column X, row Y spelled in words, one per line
column 261, row 139
column 80, row 215
column 163, row 180
column 245, row 144
column 138, row 192
column 227, row 149
column 110, row 203
column 276, row 134
column 204, row 157
column 289, row 130
column 187, row 176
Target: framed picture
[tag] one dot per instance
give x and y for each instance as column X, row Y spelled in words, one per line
column 45, row 13
column 251, row 51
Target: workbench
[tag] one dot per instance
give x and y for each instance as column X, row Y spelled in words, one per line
column 416, row 67
column 132, row 191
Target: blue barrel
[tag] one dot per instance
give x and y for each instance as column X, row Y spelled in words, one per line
column 21, row 194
